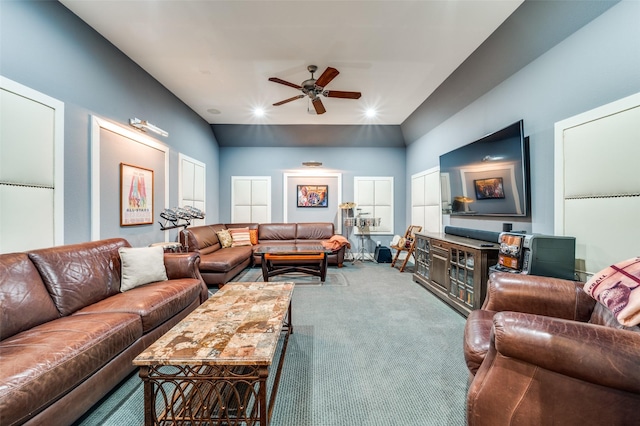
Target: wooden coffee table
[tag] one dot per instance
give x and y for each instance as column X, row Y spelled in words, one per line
column 282, row 259
column 212, row 367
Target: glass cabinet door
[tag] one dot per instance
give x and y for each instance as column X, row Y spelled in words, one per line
column 461, row 276
column 423, row 257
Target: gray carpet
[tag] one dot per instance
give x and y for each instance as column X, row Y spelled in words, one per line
column 376, row 350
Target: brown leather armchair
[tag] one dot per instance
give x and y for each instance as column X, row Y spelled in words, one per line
column 540, row 351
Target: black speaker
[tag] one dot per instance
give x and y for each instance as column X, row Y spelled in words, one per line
column 476, row 234
column 382, row 254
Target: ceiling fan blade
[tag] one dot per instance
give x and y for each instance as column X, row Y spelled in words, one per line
column 288, row 100
column 317, row 104
column 341, row 94
column 326, row 77
column 286, row 83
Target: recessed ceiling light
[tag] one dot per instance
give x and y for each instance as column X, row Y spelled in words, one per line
column 258, row 112
column 213, row 111
column 371, row 113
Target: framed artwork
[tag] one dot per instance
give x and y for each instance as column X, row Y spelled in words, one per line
column 489, row 188
column 313, row 196
column 136, row 195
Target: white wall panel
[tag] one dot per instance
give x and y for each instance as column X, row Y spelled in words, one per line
column 26, row 154
column 31, row 168
column 188, row 173
column 601, row 156
column 242, row 192
column 425, row 200
column 251, row 199
column 374, row 199
column 260, row 192
column 26, row 218
column 200, row 184
column 192, row 186
column 260, row 214
column 242, row 214
column 597, row 186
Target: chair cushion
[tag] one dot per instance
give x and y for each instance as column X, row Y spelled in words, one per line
column 477, row 338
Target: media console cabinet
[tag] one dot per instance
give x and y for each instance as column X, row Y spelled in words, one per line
column 455, row 269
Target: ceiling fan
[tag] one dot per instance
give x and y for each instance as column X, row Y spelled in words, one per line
column 313, row 88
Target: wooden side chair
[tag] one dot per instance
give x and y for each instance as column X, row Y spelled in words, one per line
column 407, row 243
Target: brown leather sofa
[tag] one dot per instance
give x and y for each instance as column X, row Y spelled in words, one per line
column 68, row 335
column 542, row 352
column 218, row 266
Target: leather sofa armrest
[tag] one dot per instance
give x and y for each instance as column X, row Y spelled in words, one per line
column 185, row 265
column 601, row 355
column 538, row 295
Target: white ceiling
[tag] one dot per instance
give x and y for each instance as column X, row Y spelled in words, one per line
column 220, row 54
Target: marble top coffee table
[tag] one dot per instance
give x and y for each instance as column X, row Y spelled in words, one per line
column 213, row 366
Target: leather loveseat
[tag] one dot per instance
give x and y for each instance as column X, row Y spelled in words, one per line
column 68, row 334
column 219, row 265
column 541, row 351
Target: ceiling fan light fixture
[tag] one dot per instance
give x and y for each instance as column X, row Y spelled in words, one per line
column 312, row 163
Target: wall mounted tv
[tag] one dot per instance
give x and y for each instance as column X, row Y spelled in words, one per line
column 488, row 177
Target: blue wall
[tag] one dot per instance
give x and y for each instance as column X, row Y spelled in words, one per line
column 47, row 48
column 598, row 64
column 350, row 162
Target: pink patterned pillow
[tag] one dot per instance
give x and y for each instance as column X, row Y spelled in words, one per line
column 618, row 288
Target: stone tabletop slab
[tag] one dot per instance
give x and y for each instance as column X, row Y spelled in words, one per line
column 239, row 325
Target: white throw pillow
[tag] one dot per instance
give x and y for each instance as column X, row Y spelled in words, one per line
column 141, row 265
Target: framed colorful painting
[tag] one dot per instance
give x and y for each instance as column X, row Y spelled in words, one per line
column 313, row 196
column 136, row 195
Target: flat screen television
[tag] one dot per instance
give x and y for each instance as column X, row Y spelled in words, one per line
column 488, row 177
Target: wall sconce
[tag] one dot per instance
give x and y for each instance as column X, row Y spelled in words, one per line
column 144, row 125
column 311, row 163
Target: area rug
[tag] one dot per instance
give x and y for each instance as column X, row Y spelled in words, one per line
column 333, row 278
column 380, row 351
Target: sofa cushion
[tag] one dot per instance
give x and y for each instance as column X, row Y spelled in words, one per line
column 50, row 359
column 618, row 288
column 77, row 275
column 200, row 238
column 253, row 236
column 314, row 231
column 225, row 238
column 240, row 237
column 277, row 231
column 153, row 303
column 141, row 265
column 24, row 298
column 224, row 260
